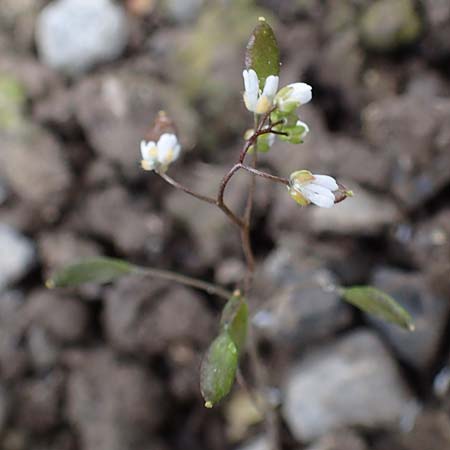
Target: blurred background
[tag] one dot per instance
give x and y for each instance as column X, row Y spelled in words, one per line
column 116, row 367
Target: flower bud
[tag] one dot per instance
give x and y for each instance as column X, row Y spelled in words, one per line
column 306, row 188
column 289, row 98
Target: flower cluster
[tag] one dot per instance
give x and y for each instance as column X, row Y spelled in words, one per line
column 158, row 156
column 304, row 187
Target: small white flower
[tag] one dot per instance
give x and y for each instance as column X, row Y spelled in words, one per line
column 255, row 100
column 158, row 156
column 306, row 188
column 292, row 96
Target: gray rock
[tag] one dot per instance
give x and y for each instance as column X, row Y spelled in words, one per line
column 258, row 443
column 43, row 349
column 59, row 248
column 115, row 215
column 154, row 318
column 116, row 112
column 390, row 24
column 300, row 305
column 38, row 403
column 366, row 213
column 351, row 155
column 431, row 430
column 13, row 357
column 341, row 440
column 342, row 78
column 429, row 313
column 437, row 39
column 3, row 192
column 60, row 440
column 33, row 163
column 74, row 35
column 64, row 318
column 17, row 255
column 183, row 11
column 114, row 405
column 4, row 407
column 353, row 382
column 414, row 136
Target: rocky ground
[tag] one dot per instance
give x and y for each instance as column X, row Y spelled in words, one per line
column 116, row 367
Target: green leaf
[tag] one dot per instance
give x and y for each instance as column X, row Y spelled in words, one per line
column 234, row 320
column 262, row 54
column 98, row 270
column 218, row 369
column 378, row 303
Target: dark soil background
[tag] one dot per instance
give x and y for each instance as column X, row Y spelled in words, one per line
column 116, row 367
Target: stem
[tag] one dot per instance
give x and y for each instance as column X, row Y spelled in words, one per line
column 177, row 185
column 210, row 288
column 245, row 232
column 265, row 175
column 220, row 197
column 218, row 202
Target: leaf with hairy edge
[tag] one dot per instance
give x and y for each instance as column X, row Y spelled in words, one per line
column 97, row 270
column 378, row 303
column 262, row 53
column 218, row 369
column 234, row 320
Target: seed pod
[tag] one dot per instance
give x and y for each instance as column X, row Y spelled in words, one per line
column 218, row 369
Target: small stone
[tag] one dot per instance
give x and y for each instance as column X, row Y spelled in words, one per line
column 3, row 192
column 43, row 349
column 351, row 155
column 17, row 255
column 114, row 405
column 39, row 401
column 229, row 271
column 437, row 38
column 333, row 76
column 115, row 215
column 74, row 35
column 32, row 162
column 300, row 302
column 413, row 135
column 58, row 248
column 13, row 357
column 353, row 382
column 63, row 317
column 341, row 440
column 258, row 443
column 117, row 110
column 430, row 430
column 154, row 317
column 183, row 11
column 366, row 213
column 388, row 25
column 4, row 407
column 429, row 314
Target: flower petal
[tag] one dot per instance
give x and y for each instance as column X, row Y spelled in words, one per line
column 271, row 86
column 326, row 181
column 301, row 92
column 251, row 84
column 166, row 146
column 318, row 195
column 145, row 149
